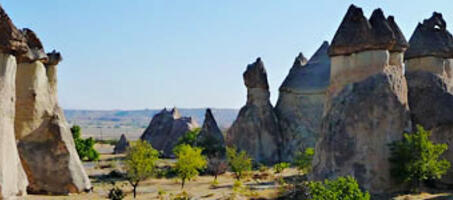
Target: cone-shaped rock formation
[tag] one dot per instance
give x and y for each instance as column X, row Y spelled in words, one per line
column 122, row 145
column 301, row 101
column 366, row 106
column 255, row 129
column 211, row 135
column 429, row 76
column 166, row 128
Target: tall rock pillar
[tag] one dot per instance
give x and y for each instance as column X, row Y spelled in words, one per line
column 366, row 106
column 255, row 129
column 429, row 64
column 13, row 181
column 45, row 145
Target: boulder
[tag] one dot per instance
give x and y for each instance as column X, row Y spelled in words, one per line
column 255, row 129
column 210, row 134
column 429, row 78
column 166, row 128
column 45, row 142
column 366, row 106
column 301, row 102
column 122, row 145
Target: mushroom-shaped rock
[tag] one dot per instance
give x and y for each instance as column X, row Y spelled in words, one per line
column 165, row 128
column 255, row 129
column 430, row 82
column 431, row 38
column 366, row 106
column 301, row 101
column 211, row 137
column 122, row 145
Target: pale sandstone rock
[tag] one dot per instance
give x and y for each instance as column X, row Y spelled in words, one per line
column 45, row 143
column 301, row 101
column 13, row 181
column 430, row 79
column 166, row 128
column 366, row 109
column 210, row 133
column 256, row 130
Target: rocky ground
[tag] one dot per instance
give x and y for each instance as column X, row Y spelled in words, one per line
column 265, row 187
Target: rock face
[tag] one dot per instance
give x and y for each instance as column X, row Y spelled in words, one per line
column 429, row 76
column 122, row 145
column 45, row 142
column 166, row 128
column 301, row 102
column 210, row 133
column 366, row 106
column 13, row 181
column 256, row 130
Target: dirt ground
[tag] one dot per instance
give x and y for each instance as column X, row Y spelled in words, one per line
column 259, row 185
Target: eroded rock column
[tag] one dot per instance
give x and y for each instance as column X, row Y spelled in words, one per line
column 366, row 107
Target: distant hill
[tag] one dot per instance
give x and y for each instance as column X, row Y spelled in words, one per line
column 111, row 123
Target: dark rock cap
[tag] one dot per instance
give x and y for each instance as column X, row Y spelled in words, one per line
column 431, row 38
column 401, row 44
column 11, row 39
column 312, row 77
column 255, row 76
column 356, row 33
column 35, row 48
column 300, row 60
column 54, row 58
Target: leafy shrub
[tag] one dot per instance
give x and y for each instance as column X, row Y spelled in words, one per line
column 216, row 166
column 416, row 159
column 189, row 161
column 140, row 163
column 238, row 162
column 116, row 193
column 341, row 188
column 190, row 138
column 84, row 147
column 279, row 167
column 303, row 160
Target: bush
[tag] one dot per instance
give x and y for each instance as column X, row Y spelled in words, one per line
column 190, row 138
column 279, row 167
column 85, row 147
column 216, row 166
column 341, row 188
column 303, row 160
column 416, row 159
column 140, row 163
column 189, row 161
column 238, row 162
column 116, row 193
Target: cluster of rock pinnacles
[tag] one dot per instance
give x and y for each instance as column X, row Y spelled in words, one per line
column 38, row 152
column 352, row 99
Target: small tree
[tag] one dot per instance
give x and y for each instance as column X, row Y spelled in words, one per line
column 341, row 188
column 189, row 161
column 303, row 160
column 189, row 138
column 140, row 163
column 416, row 159
column 85, row 147
column 280, row 167
column 238, row 162
column 216, row 166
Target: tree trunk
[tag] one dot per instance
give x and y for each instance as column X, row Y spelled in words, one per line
column 135, row 190
column 215, row 177
column 183, row 182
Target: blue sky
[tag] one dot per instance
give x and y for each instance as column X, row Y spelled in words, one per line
column 138, row 54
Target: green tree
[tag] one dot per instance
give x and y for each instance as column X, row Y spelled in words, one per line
column 280, row 167
column 416, row 159
column 238, row 162
column 84, row 147
column 189, row 138
column 189, row 161
column 140, row 163
column 341, row 188
column 303, row 160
